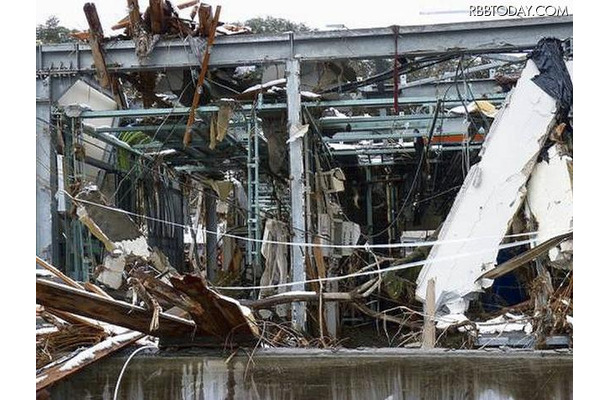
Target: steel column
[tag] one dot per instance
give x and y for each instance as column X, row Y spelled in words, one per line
column 297, row 190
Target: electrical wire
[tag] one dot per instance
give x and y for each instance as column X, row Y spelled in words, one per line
column 335, row 246
column 118, row 383
column 376, row 271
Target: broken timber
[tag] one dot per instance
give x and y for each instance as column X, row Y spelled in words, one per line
column 525, row 257
column 115, row 312
column 84, row 358
column 96, row 39
column 202, row 74
column 225, row 315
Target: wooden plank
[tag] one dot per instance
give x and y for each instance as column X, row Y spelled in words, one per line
column 205, row 19
column 80, row 302
column 429, row 333
column 156, row 16
column 96, row 37
column 204, row 70
column 525, row 257
column 123, row 23
column 90, row 287
column 85, row 357
column 134, row 16
column 187, row 4
column 73, row 319
column 69, row 281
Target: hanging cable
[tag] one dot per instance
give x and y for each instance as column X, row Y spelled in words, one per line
column 335, row 246
column 118, row 383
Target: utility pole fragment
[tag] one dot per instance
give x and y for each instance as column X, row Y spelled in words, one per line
column 429, row 333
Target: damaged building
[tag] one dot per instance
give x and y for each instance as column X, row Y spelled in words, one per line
column 200, row 185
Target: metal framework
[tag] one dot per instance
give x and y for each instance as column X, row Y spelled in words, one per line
column 253, row 256
column 409, row 41
column 61, row 62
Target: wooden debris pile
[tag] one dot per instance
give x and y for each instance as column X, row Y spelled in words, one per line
column 185, row 309
column 84, row 326
column 62, row 338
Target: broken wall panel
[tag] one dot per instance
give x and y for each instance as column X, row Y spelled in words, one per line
column 116, row 230
column 549, row 201
column 490, row 195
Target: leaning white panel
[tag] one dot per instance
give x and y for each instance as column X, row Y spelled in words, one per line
column 490, row 195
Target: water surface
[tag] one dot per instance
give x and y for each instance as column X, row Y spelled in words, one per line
column 392, row 374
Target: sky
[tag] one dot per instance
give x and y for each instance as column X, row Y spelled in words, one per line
column 314, row 13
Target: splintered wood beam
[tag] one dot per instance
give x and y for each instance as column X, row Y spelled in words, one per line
column 74, row 319
column 525, row 257
column 85, row 357
column 80, row 302
column 134, row 15
column 204, row 70
column 187, row 4
column 90, row 287
column 123, row 23
column 175, row 297
column 96, row 37
column 224, row 315
column 66, row 279
column 205, row 19
column 156, row 16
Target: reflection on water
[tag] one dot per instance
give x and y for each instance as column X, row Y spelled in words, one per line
column 391, row 375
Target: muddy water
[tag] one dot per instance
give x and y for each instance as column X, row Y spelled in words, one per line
column 357, row 374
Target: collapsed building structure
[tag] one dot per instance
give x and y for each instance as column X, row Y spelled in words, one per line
column 263, row 192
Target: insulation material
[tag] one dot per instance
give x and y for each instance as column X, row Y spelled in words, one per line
column 276, row 260
column 549, row 201
column 490, row 195
column 220, row 122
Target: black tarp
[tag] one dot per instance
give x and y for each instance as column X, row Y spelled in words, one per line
column 554, row 78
